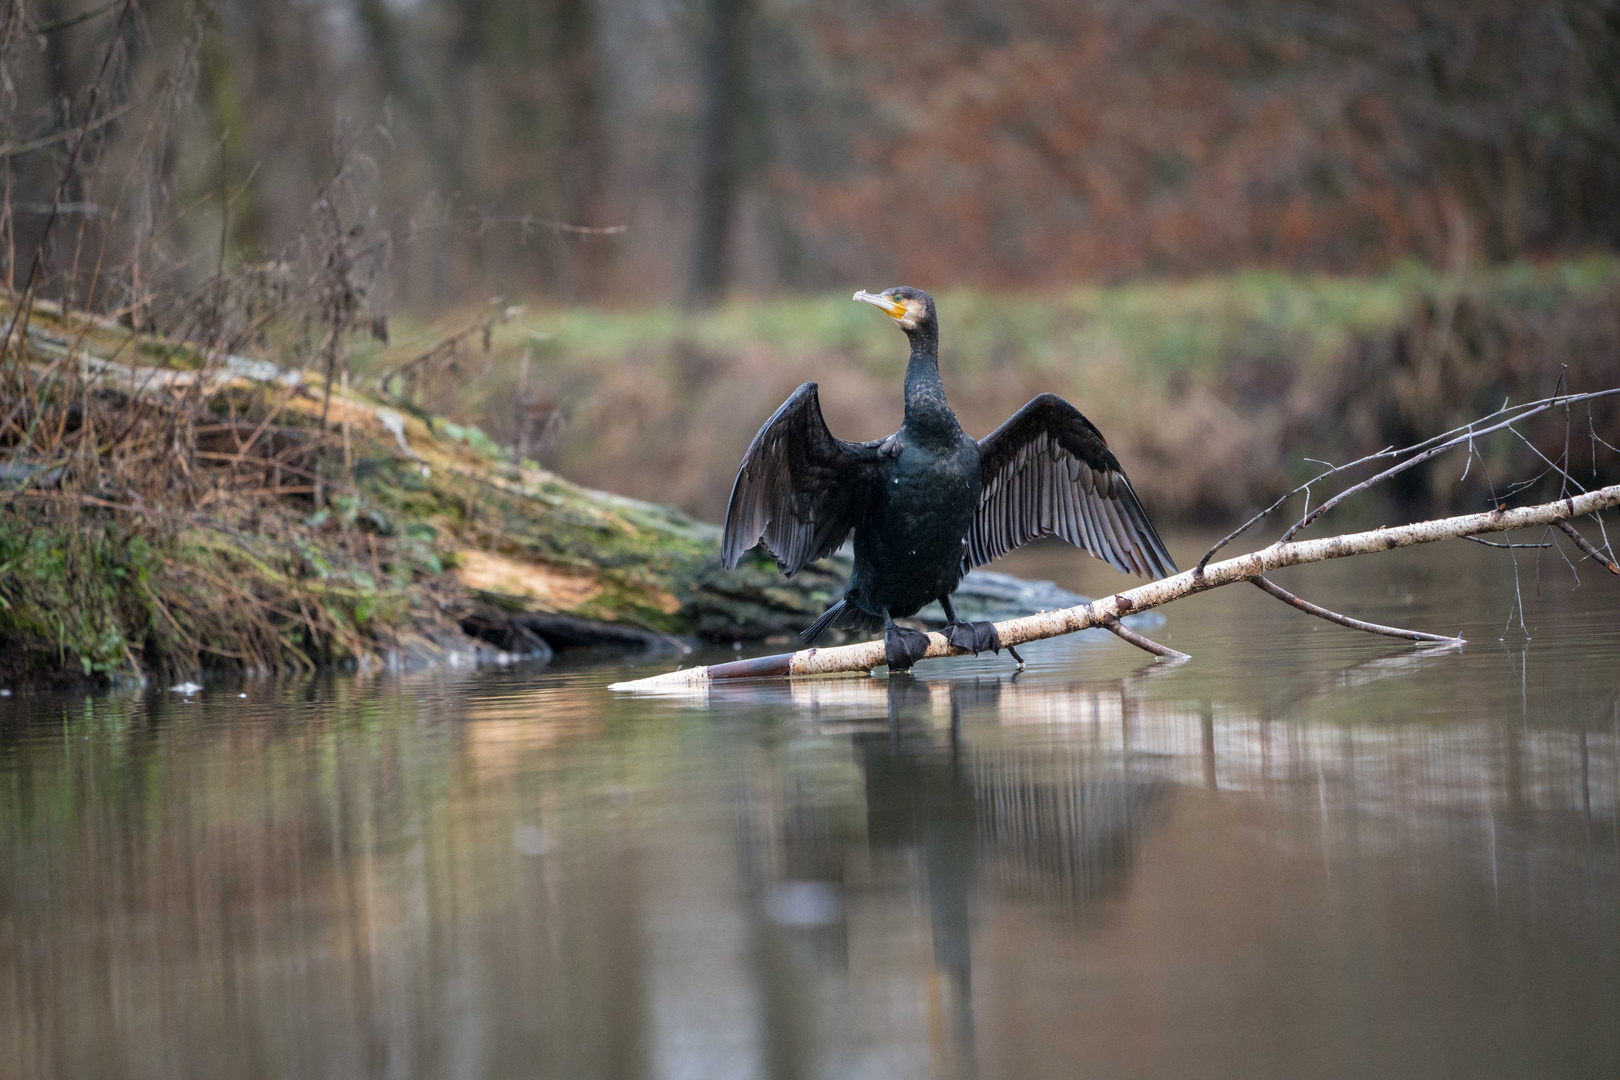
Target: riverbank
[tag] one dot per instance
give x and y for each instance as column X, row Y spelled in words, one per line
column 172, row 512
column 1213, row 391
column 272, row 525
column 167, row 510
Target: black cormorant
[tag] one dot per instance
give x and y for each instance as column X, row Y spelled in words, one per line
column 928, row 503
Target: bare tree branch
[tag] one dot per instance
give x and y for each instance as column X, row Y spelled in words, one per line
column 1126, row 634
column 1470, row 433
column 1586, row 546
column 1455, row 437
column 73, row 20
column 870, row 654
column 1269, row 586
column 1504, row 547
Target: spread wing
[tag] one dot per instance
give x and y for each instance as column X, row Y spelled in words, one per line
column 1049, row 471
column 799, row 489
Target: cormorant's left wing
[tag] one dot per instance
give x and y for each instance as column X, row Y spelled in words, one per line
column 799, row 489
column 1048, row 471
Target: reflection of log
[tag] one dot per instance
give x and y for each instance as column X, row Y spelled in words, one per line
column 869, row 655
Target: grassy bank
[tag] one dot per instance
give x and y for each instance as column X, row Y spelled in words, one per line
column 1212, row 391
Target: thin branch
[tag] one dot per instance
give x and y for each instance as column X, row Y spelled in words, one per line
column 445, row 346
column 1269, row 586
column 1457, row 435
column 1470, row 433
column 1586, row 546
column 1126, row 634
column 24, row 303
column 74, row 20
column 526, row 222
column 1504, row 547
column 1576, row 573
column 14, row 149
column 1596, row 438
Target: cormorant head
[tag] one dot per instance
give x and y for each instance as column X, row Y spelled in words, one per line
column 912, row 308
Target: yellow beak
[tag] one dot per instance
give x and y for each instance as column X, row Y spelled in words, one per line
column 887, row 304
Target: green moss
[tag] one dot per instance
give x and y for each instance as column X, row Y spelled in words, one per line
column 72, row 599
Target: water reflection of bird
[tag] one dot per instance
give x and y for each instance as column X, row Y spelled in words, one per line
column 1056, row 825
column 1047, row 826
column 929, row 503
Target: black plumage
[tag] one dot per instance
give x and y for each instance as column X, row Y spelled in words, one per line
column 929, row 503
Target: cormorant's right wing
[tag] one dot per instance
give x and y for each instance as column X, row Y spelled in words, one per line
column 799, row 489
column 1048, row 471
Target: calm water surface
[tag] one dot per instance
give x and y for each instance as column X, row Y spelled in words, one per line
column 1306, row 853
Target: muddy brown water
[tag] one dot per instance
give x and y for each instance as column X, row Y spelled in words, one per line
column 1306, row 853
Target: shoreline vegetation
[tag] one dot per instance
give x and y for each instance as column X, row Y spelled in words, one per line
column 165, row 509
column 298, row 530
column 1213, row 391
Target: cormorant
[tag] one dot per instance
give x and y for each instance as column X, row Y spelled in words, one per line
column 928, row 503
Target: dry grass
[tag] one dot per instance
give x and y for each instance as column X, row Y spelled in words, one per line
column 164, row 505
column 161, row 520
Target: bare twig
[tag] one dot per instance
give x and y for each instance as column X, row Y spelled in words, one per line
column 73, row 20
column 1268, row 586
column 1470, row 433
column 14, row 149
column 448, row 346
column 1504, row 547
column 1126, row 634
column 1464, row 434
column 1586, row 546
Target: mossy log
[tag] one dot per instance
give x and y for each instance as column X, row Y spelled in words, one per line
column 529, row 543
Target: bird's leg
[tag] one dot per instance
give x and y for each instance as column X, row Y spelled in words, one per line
column 902, row 646
column 975, row 636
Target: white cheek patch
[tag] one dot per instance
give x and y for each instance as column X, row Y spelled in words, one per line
column 913, row 313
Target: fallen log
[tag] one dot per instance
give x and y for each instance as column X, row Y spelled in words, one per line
column 1108, row 610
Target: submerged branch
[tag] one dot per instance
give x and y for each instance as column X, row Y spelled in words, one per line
column 870, row 654
column 1271, row 587
column 1131, row 637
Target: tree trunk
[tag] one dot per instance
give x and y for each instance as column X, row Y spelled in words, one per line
column 723, row 68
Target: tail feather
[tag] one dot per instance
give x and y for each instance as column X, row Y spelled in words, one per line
column 841, row 616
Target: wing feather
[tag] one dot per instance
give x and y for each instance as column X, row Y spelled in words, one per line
column 1048, row 471
column 798, row 489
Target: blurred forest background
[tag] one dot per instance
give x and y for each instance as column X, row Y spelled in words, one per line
column 1231, row 230
column 771, row 145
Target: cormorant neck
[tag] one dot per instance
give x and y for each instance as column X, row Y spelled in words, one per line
column 927, row 414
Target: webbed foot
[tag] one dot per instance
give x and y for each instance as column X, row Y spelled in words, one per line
column 903, row 646
column 977, row 637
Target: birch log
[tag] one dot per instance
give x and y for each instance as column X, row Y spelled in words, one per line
column 867, row 655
